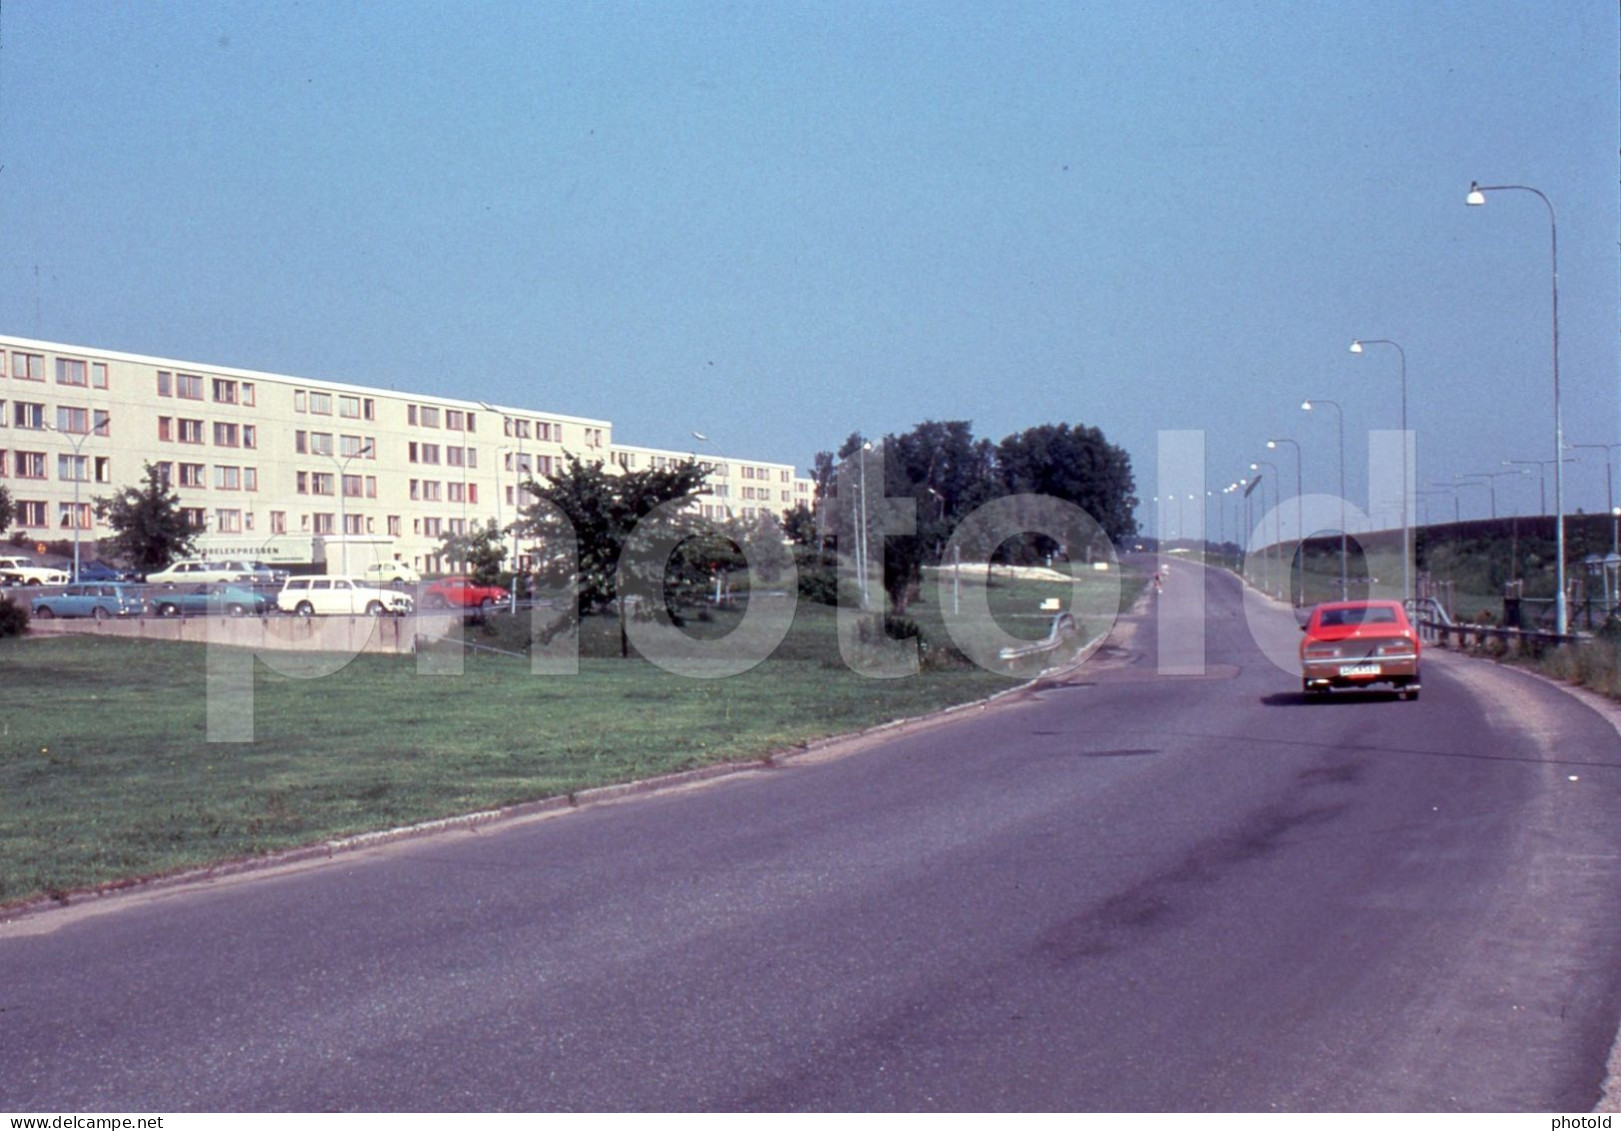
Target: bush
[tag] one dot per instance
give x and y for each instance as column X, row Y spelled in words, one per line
column 13, row 617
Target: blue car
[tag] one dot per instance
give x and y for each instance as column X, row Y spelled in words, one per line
column 195, row 600
column 101, row 571
column 104, row 602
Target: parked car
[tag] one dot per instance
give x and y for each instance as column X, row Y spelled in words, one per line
column 195, row 600
column 1359, row 644
column 267, row 575
column 196, row 571
column 326, row 595
column 104, row 602
column 461, row 593
column 391, row 573
column 26, row 571
column 101, row 571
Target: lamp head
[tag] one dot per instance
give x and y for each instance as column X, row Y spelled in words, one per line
column 1272, row 444
column 1306, row 405
column 1356, row 346
column 1475, row 197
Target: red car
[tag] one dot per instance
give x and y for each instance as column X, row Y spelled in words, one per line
column 461, row 593
column 1358, row 644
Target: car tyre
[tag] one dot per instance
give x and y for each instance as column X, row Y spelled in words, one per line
column 168, row 610
column 374, row 608
column 101, row 613
column 434, row 600
column 44, row 613
column 236, row 610
column 304, row 609
column 486, row 602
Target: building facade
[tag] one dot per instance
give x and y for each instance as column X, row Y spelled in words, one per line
column 296, row 470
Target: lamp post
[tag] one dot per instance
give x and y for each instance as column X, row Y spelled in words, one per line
column 861, row 535
column 342, row 464
column 1300, row 516
column 78, row 446
column 1477, row 197
column 1339, row 413
column 1460, row 481
column 1542, row 474
column 1277, row 529
column 1491, row 478
column 1406, row 521
column 1609, row 471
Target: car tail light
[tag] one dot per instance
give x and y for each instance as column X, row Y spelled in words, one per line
column 1321, row 651
column 1396, row 648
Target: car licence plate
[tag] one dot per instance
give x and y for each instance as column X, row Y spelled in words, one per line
column 1359, row 669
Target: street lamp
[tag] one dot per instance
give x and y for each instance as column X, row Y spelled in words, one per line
column 78, row 446
column 1491, row 478
column 1277, row 531
column 1300, row 516
column 1542, row 474
column 861, row 535
column 1476, row 197
column 1339, row 413
column 1609, row 470
column 342, row 464
column 1406, row 522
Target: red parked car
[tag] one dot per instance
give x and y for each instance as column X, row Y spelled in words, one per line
column 461, row 593
column 1358, row 644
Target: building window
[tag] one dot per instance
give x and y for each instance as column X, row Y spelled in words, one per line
column 227, row 435
column 30, row 465
column 73, row 420
column 192, row 475
column 165, row 427
column 457, row 492
column 250, row 478
column 300, row 401
column 278, row 522
column 303, row 483
column 73, row 468
column 191, row 431
column 225, row 391
column 71, row 371
column 29, row 367
column 349, row 407
column 194, row 517
column 66, row 518
column 250, row 398
column 368, row 408
column 455, row 420
column 98, row 374
column 354, row 524
column 104, row 469
column 432, row 490
column 165, row 383
column 430, row 453
column 227, row 478
column 323, row 522
column 27, row 415
column 30, row 513
column 432, row 527
column 250, row 436
column 321, row 404
column 349, row 446
column 228, row 521
column 103, row 422
column 371, row 486
column 430, row 417
column 472, row 492
column 354, row 487
column 453, row 456
column 394, row 526
column 320, row 443
column 188, row 387
column 165, row 472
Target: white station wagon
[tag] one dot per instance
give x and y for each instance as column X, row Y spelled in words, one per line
column 331, row 596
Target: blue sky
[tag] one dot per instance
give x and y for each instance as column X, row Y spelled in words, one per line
column 780, row 223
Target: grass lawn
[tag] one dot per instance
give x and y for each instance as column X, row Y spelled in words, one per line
column 108, row 775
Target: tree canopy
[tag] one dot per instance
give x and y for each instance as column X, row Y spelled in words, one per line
column 583, row 515
column 150, row 529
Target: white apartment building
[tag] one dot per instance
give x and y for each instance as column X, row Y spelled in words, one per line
column 296, row 470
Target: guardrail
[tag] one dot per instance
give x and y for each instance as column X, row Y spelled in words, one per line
column 1063, row 626
column 1450, row 634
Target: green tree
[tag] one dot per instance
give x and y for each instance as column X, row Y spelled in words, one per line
column 8, row 509
column 1075, row 464
column 586, row 508
column 481, row 551
column 150, row 529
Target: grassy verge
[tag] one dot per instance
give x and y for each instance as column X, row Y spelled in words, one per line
column 108, row 775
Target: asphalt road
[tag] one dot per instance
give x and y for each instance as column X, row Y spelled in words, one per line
column 1128, row 891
